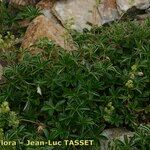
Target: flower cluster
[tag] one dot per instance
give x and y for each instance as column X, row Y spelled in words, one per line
column 109, row 109
column 4, row 108
column 130, row 83
column 7, row 116
column 13, row 120
column 7, row 41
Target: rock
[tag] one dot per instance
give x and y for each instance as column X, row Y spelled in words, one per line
column 23, row 2
column 112, row 134
column 19, row 2
column 77, row 13
column 45, row 7
column 42, row 27
column 125, row 5
column 108, row 11
column 148, row 10
column 143, row 16
column 24, row 23
column 45, row 4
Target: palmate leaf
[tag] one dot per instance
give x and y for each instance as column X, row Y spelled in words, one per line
column 51, row 108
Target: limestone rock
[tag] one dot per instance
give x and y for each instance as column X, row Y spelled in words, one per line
column 112, row 134
column 78, row 12
column 42, row 27
column 108, row 10
column 125, row 5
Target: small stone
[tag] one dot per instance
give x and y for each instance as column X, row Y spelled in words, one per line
column 24, row 23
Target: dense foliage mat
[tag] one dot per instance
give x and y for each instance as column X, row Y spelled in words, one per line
column 59, row 95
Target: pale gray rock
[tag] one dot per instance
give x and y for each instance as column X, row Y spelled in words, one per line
column 125, row 5
column 143, row 16
column 77, row 12
column 114, row 133
column 108, row 11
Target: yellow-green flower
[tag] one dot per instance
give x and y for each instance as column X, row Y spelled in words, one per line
column 4, row 107
column 132, row 75
column 13, row 120
column 108, row 111
column 134, row 67
column 129, row 84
